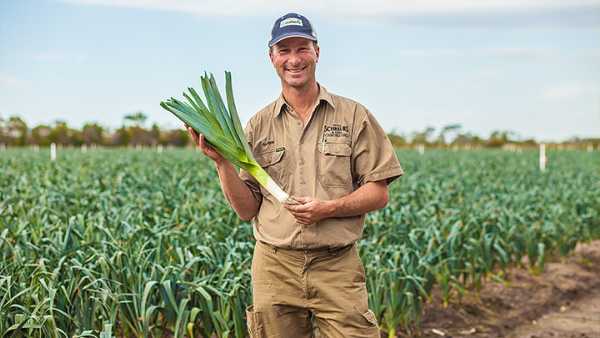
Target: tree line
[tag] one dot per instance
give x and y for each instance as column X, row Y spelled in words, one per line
column 14, row 132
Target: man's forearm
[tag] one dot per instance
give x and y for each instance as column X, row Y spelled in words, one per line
column 236, row 191
column 370, row 196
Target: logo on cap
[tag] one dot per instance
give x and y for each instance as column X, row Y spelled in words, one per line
column 290, row 22
column 292, row 25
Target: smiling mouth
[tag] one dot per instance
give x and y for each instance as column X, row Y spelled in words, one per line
column 296, row 71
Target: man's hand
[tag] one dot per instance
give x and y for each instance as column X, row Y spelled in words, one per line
column 201, row 142
column 310, row 210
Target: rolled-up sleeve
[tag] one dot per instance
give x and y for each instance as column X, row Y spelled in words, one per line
column 373, row 156
column 248, row 179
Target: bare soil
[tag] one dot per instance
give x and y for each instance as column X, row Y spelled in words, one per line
column 562, row 301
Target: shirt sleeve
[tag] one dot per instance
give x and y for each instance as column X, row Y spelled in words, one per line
column 373, row 156
column 248, row 179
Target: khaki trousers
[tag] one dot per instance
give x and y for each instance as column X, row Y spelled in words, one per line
column 291, row 288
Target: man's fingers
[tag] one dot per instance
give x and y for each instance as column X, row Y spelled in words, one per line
column 290, row 207
column 302, row 199
column 192, row 133
column 204, row 143
column 301, row 215
column 304, row 221
column 297, row 207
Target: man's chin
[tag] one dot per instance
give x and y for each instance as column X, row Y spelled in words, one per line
column 296, row 83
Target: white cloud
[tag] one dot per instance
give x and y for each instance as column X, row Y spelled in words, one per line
column 359, row 8
column 571, row 91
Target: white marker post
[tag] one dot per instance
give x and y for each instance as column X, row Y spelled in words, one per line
column 542, row 157
column 84, row 148
column 53, row 151
column 421, row 149
column 159, row 148
column 590, row 148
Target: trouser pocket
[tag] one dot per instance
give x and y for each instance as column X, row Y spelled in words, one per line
column 370, row 317
column 254, row 322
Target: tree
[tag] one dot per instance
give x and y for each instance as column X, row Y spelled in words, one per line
column 136, row 119
column 446, row 130
column 120, row 137
column 424, row 136
column 3, row 131
column 16, row 131
column 176, row 137
column 397, row 139
column 92, row 133
column 498, row 138
column 40, row 135
column 155, row 134
column 60, row 133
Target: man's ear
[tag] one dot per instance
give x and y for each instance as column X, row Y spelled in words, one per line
column 317, row 51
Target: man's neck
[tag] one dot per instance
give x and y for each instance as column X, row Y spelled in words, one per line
column 301, row 99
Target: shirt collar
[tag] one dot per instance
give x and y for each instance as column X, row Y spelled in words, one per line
column 324, row 95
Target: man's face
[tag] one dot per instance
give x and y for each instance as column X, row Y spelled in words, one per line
column 295, row 60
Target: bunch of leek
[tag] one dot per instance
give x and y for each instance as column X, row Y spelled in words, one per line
column 221, row 126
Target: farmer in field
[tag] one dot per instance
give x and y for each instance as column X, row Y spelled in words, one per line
column 330, row 153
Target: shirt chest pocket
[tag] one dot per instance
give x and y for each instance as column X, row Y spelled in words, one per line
column 334, row 165
column 272, row 162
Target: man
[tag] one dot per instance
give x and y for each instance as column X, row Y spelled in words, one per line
column 330, row 153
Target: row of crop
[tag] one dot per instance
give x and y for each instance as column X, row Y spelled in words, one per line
column 133, row 244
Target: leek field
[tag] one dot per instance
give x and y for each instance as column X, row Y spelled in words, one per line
column 137, row 243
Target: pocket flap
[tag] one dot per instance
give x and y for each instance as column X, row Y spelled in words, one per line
column 335, row 149
column 270, row 158
column 370, row 317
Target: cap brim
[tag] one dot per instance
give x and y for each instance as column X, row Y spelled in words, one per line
column 291, row 35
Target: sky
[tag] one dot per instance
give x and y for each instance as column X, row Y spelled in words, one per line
column 529, row 66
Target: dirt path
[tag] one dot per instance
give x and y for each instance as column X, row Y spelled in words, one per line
column 563, row 301
column 580, row 319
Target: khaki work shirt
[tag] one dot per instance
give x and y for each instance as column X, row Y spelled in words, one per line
column 340, row 148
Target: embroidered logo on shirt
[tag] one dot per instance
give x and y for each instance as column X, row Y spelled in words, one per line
column 336, row 130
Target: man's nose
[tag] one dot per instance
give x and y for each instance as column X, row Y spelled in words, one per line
column 294, row 59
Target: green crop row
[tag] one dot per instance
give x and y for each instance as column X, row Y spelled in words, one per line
column 140, row 244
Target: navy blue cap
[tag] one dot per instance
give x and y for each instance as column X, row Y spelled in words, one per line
column 292, row 25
